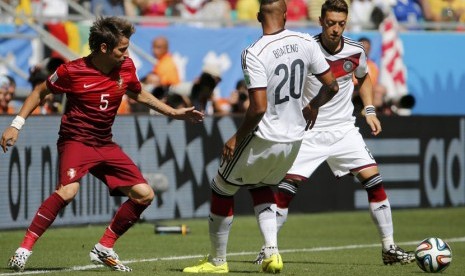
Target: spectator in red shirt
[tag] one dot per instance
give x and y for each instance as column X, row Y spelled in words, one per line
column 296, row 10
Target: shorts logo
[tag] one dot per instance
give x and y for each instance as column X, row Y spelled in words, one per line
column 348, row 66
column 71, row 173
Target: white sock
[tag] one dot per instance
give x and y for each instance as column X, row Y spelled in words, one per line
column 281, row 217
column 270, row 250
column 219, row 227
column 381, row 214
column 266, row 218
column 102, row 248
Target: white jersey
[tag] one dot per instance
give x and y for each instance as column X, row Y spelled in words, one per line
column 350, row 59
column 280, row 63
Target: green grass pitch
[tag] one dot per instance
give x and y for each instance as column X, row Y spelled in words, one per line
column 342, row 243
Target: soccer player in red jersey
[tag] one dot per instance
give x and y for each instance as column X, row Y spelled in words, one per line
column 94, row 86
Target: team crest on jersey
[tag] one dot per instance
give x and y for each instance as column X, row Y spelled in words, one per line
column 71, row 173
column 348, row 66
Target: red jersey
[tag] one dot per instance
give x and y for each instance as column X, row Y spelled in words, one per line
column 93, row 98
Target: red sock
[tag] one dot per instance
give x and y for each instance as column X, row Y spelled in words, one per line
column 376, row 193
column 125, row 217
column 283, row 199
column 222, row 205
column 44, row 217
column 262, row 195
column 109, row 238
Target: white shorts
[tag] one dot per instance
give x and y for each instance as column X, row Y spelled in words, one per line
column 344, row 150
column 256, row 162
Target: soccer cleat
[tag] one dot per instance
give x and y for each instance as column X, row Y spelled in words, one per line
column 108, row 258
column 17, row 262
column 260, row 256
column 396, row 254
column 205, row 266
column 273, row 264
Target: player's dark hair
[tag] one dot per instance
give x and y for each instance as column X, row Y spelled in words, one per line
column 109, row 30
column 267, row 2
column 53, row 64
column 266, row 8
column 334, row 6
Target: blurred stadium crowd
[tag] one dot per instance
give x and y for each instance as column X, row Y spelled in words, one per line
column 363, row 13
column 164, row 81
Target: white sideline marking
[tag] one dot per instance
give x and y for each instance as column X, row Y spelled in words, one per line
column 174, row 258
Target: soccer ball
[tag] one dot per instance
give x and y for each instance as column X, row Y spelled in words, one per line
column 433, row 255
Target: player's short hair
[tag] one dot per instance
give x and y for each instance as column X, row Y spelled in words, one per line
column 334, row 6
column 109, row 30
column 265, row 6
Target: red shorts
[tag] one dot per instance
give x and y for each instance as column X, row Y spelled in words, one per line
column 108, row 163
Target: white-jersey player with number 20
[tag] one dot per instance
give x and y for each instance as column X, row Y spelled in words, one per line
column 334, row 137
column 266, row 143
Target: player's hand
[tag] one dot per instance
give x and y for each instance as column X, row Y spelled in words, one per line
column 374, row 124
column 310, row 115
column 9, row 137
column 228, row 149
column 189, row 114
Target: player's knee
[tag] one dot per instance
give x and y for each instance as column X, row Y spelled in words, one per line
column 142, row 194
column 371, row 181
column 295, row 179
column 68, row 192
column 291, row 183
column 148, row 195
column 223, row 188
column 374, row 187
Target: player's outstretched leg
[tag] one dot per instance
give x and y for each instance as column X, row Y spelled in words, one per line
column 18, row 261
column 220, row 220
column 380, row 210
column 287, row 189
column 108, row 257
column 396, row 254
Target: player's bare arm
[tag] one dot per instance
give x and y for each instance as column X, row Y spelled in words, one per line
column 10, row 135
column 253, row 115
column 325, row 94
column 188, row 114
column 366, row 94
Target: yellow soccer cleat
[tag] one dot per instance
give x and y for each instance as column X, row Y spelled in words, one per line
column 207, row 267
column 273, row 264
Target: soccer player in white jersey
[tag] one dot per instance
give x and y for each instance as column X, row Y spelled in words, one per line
column 334, row 137
column 265, row 145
